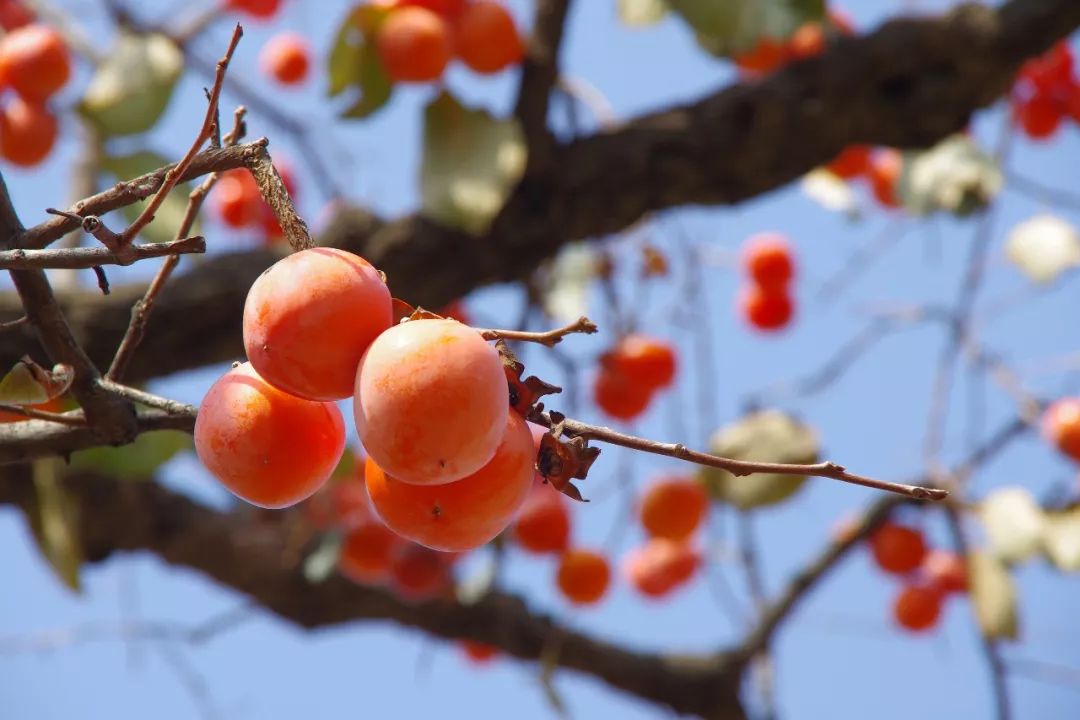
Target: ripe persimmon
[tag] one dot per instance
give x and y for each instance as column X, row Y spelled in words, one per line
column 27, row 132
column 414, row 45
column 583, row 576
column 643, row 360
column 466, row 513
column 431, row 401
column 917, row 607
column 486, row 38
column 266, row 446
column 673, row 507
column 309, row 319
column 543, row 523
column 35, row 62
column 897, row 548
column 367, row 553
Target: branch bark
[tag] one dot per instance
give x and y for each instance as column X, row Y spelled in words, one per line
column 244, row 552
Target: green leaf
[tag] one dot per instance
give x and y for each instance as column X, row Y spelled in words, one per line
column 471, row 162
column 993, row 595
column 954, row 176
column 766, row 436
column 170, row 215
column 353, row 62
column 1061, row 539
column 320, row 564
column 134, row 83
column 54, row 521
column 640, row 13
column 1014, row 524
column 138, row 460
column 732, row 27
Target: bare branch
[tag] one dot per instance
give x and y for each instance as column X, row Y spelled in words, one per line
column 539, row 72
column 826, row 469
column 548, row 338
column 84, row 258
column 176, row 172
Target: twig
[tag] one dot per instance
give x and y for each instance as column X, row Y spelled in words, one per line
column 173, row 407
column 547, row 338
column 990, row 649
column 1045, row 671
column 174, row 174
column 35, row 414
column 825, row 469
column 132, row 191
column 87, row 257
column 140, row 313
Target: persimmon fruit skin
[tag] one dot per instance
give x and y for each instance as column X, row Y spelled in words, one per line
column 265, row 446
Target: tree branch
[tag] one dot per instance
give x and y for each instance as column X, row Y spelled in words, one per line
column 83, row 258
column 243, row 552
column 539, row 71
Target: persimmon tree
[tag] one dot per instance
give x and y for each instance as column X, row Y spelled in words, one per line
column 459, row 454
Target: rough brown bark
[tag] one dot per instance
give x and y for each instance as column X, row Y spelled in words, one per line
column 246, row 551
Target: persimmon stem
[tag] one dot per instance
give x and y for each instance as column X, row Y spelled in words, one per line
column 825, row 469
column 548, row 338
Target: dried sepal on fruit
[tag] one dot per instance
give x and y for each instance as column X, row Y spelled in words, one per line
column 562, row 461
column 523, row 392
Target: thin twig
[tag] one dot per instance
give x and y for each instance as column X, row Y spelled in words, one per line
column 547, row 338
column 173, row 407
column 140, row 313
column 825, row 469
column 81, row 258
column 990, row 649
column 174, row 174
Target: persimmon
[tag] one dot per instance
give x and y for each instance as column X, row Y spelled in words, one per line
column 35, row 62
column 807, row 41
column 917, row 607
column 1061, row 426
column 897, row 548
column 673, row 507
column 643, row 360
column 854, row 160
column 618, row 396
column 766, row 308
column 583, row 576
column 28, row 132
column 466, row 513
column 543, row 523
column 1040, row 116
column 767, row 55
column 286, row 58
column 414, row 45
column 1051, row 71
column 236, row 198
column 340, row 505
column 660, row 566
column 267, row 447
column 479, row 653
column 419, row 573
column 486, row 38
column 309, row 319
column 446, row 8
column 431, row 401
column 367, row 553
column 946, row 571
column 768, row 260
column 14, row 14
column 259, row 9
column 886, row 165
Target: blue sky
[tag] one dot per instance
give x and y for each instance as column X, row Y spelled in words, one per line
column 839, row 656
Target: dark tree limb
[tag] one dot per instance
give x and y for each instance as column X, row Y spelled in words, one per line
column 244, row 552
column 539, row 72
